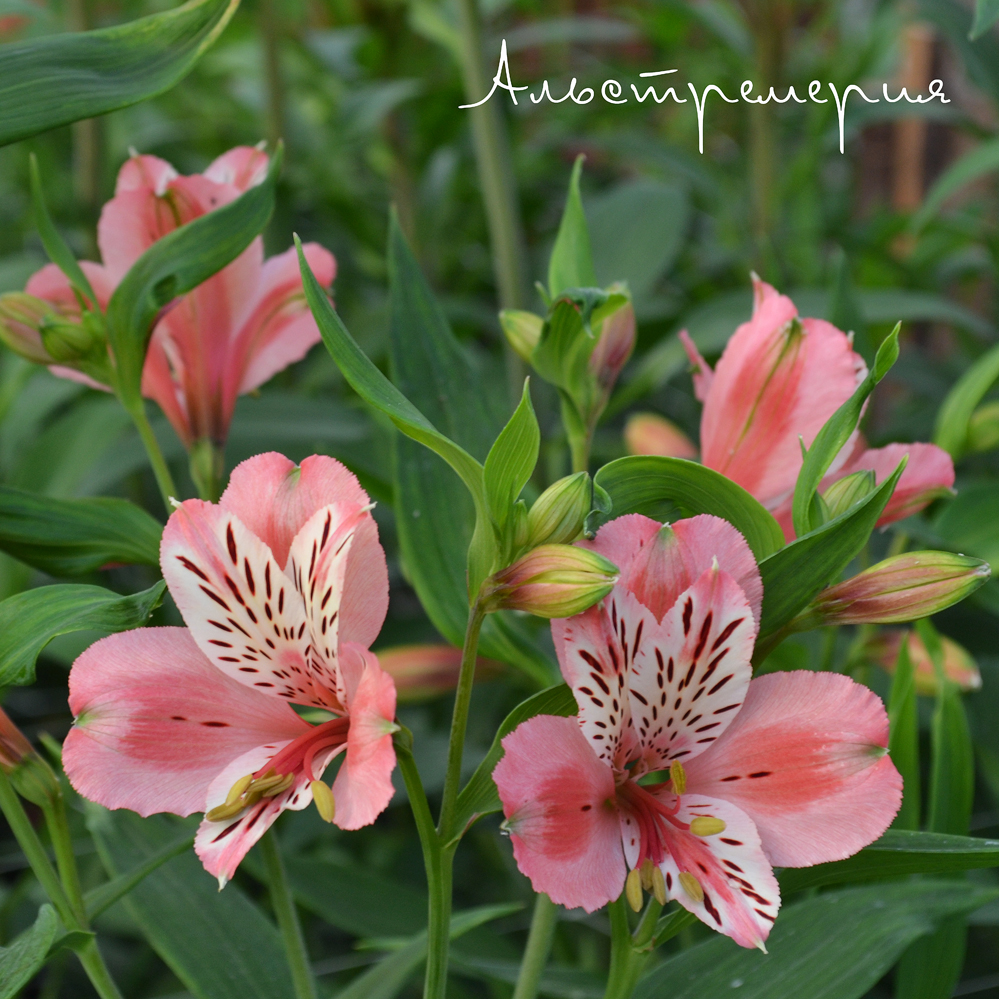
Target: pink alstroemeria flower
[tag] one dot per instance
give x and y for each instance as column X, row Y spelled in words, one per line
column 788, row 769
column 779, row 379
column 283, row 586
column 232, row 333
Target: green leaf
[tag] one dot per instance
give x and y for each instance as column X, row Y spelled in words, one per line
column 51, row 81
column 808, row 960
column 661, row 487
column 55, row 246
column 176, row 264
column 218, row 943
column 831, row 439
column 571, row 263
column 903, row 741
column 898, row 854
column 792, row 576
column 478, row 797
column 511, row 460
column 30, row 620
column 388, row 978
column 979, row 161
column 27, row 953
column 986, row 14
column 951, row 431
column 67, row 537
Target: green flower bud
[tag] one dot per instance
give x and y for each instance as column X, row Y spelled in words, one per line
column 983, row 428
column 845, row 492
column 67, row 341
column 551, row 581
column 560, row 511
column 29, row 774
column 523, row 331
column 21, row 319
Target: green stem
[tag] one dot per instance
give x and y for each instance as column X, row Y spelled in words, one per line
column 287, row 917
column 97, row 971
column 539, row 945
column 492, row 157
column 62, row 844
column 620, row 946
column 630, row 951
column 163, row 478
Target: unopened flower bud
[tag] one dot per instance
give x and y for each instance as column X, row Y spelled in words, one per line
column 647, row 433
column 551, row 581
column 424, row 671
column 898, row 589
column 959, row 667
column 615, row 342
column 29, row 774
column 983, row 428
column 523, row 331
column 559, row 513
column 66, row 340
column 849, row 490
column 21, row 319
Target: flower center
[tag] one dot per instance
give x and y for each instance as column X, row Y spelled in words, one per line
column 280, row 773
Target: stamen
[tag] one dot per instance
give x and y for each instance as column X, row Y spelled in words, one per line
column 237, row 789
column 322, row 796
column 678, row 776
column 645, row 871
column 692, row 886
column 706, row 825
column 633, row 889
column 658, row 885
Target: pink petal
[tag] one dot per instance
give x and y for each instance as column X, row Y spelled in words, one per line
column 242, row 167
column 594, row 651
column 770, row 387
column 363, row 787
column 222, row 845
column 51, row 285
column 243, row 611
column 928, row 475
column 139, row 173
column 703, row 376
column 805, row 759
column 162, row 380
column 317, row 565
column 741, row 894
column 156, row 722
column 559, row 802
column 274, row 498
column 278, row 329
column 690, row 674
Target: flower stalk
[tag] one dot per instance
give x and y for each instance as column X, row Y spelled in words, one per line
column 539, row 945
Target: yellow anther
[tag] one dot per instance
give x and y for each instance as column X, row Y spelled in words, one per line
column 658, row 886
column 282, row 785
column 238, row 789
column 645, row 872
column 706, row 825
column 324, row 801
column 678, row 776
column 633, row 889
column 222, row 812
column 692, row 886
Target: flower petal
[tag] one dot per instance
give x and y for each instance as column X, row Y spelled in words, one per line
column 156, row 722
column 741, row 894
column 559, row 802
column 139, row 173
column 690, row 674
column 594, row 651
column 363, row 787
column 222, row 845
column 275, row 498
column 242, row 167
column 53, row 286
column 703, row 376
column 242, row 610
column 805, row 759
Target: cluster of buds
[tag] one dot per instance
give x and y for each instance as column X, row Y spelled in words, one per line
column 899, row 589
column 29, row 774
column 958, row 665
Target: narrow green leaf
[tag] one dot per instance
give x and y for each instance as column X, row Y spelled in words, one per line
column 30, row 620
column 218, row 943
column 664, row 488
column 27, row 953
column 389, row 976
column 511, row 460
column 806, row 959
column 792, row 576
column 571, row 263
column 175, row 265
column 55, row 246
column 67, row 537
column 478, row 797
column 954, row 415
column 51, row 81
column 834, row 434
column 903, row 741
column 897, row 854
column 986, row 14
column 931, row 967
column 977, row 163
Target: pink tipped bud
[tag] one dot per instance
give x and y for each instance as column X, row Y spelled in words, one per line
column 647, row 433
column 898, row 589
column 615, row 342
column 14, row 747
column 21, row 320
column 523, row 331
column 559, row 513
column 424, row 671
column 30, row 775
column 959, row 667
column 551, row 581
